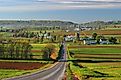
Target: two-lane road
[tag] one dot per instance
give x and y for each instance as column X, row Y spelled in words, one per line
column 54, row 73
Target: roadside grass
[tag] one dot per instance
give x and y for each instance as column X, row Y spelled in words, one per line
column 75, row 70
column 68, row 73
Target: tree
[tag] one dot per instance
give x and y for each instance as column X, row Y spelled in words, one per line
column 1, row 51
column 17, row 50
column 60, row 54
column 48, row 51
column 113, row 40
column 78, row 36
column 94, row 35
column 1, row 29
column 99, row 37
column 42, row 38
column 11, row 49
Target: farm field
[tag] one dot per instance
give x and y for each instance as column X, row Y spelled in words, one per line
column 16, row 68
column 6, row 73
column 21, row 65
column 104, row 32
column 37, row 50
column 11, row 68
column 95, row 52
column 96, row 71
column 96, row 62
column 106, row 70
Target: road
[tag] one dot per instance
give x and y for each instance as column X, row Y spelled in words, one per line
column 54, row 73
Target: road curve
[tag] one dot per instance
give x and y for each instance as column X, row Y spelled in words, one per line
column 54, row 73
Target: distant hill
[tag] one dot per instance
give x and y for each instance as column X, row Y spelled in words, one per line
column 50, row 23
column 100, row 23
column 35, row 23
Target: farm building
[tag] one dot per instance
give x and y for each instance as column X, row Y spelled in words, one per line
column 69, row 38
column 89, row 41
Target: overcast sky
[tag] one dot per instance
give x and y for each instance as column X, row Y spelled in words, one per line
column 70, row 10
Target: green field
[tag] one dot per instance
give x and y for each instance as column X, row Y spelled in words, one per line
column 96, row 50
column 37, row 50
column 107, row 70
column 96, row 63
column 5, row 73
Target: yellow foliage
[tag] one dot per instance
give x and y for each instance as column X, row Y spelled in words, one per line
column 53, row 55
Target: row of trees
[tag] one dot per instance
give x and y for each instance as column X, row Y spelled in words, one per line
column 15, row 50
column 98, row 37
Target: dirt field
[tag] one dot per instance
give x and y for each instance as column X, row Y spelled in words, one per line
column 103, row 32
column 21, row 65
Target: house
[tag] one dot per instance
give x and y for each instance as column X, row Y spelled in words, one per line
column 89, row 41
column 76, row 29
column 105, row 41
column 49, row 37
column 69, row 38
column 67, row 31
column 86, row 28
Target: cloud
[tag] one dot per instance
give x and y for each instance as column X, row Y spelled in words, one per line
column 39, row 5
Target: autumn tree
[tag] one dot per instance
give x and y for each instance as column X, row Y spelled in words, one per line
column 48, row 51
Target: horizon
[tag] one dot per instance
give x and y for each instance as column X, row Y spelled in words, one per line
column 79, row 11
column 53, row 20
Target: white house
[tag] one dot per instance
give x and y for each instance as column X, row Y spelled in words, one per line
column 69, row 38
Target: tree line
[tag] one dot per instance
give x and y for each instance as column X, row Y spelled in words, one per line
column 15, row 50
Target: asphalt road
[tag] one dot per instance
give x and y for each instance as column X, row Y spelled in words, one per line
column 54, row 73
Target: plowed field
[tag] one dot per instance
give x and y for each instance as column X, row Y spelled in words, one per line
column 21, row 65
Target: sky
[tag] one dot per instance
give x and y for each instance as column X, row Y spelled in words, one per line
column 68, row 10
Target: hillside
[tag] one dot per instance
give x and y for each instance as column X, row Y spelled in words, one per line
column 100, row 23
column 34, row 23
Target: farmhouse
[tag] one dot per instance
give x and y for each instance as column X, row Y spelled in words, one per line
column 105, row 41
column 89, row 41
column 69, row 38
